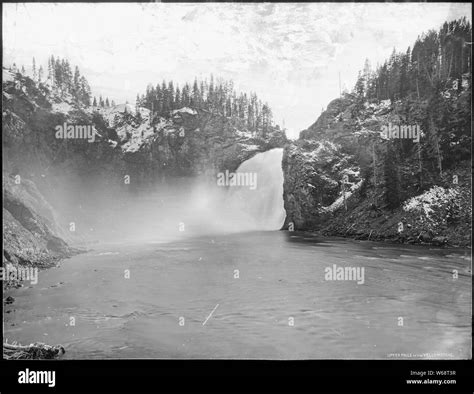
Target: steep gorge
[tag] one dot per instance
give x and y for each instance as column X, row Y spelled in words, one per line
column 132, row 164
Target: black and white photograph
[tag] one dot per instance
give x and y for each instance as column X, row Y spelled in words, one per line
column 236, row 181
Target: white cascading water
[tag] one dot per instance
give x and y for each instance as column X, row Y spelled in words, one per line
column 261, row 203
column 211, row 208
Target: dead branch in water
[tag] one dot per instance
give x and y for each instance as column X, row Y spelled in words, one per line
column 34, row 351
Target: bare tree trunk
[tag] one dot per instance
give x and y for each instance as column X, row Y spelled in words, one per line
column 420, row 164
column 440, row 61
column 344, row 195
column 439, row 156
column 375, row 172
column 417, row 73
column 450, row 66
column 436, row 139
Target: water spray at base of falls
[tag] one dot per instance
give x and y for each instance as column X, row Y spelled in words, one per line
column 249, row 199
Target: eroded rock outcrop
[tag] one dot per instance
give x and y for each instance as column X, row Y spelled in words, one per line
column 31, row 235
column 344, row 150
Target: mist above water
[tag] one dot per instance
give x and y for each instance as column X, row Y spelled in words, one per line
column 183, row 207
column 254, row 204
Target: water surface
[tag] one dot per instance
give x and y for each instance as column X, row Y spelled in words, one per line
column 281, row 276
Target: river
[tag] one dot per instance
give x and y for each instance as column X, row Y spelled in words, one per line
column 260, row 294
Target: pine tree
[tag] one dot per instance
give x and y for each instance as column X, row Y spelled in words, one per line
column 196, row 102
column 76, row 81
column 434, row 143
column 220, row 100
column 211, row 96
column 266, row 119
column 35, row 76
column 138, row 114
column 94, row 104
column 359, row 86
column 51, row 70
column 366, row 76
column 392, row 184
column 404, row 70
column 58, row 75
column 166, row 101
column 228, row 107
column 158, row 107
column 40, row 74
column 85, row 91
column 170, row 93
column 185, row 95
column 178, row 98
column 394, row 76
column 202, row 91
column 68, row 77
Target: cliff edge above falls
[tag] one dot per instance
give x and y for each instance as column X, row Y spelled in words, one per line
column 128, row 140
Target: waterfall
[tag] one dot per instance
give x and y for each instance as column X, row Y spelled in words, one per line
column 249, row 199
column 258, row 199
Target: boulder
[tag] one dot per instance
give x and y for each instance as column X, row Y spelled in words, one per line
column 439, row 241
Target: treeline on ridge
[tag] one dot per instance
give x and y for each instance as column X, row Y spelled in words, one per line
column 218, row 97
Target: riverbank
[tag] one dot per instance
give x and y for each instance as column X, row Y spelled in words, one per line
column 434, row 218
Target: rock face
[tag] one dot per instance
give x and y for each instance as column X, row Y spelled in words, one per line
column 30, row 232
column 312, row 172
column 319, row 165
column 191, row 142
column 333, row 123
column 42, row 171
column 344, row 150
column 130, row 142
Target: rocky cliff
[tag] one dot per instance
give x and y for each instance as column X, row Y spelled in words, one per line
column 128, row 141
column 31, row 234
column 47, row 174
column 337, row 175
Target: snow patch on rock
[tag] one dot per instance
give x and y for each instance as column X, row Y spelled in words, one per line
column 62, row 107
column 185, row 110
column 7, row 76
column 250, row 147
column 424, row 203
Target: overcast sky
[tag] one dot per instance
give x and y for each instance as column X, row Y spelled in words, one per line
column 289, row 54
